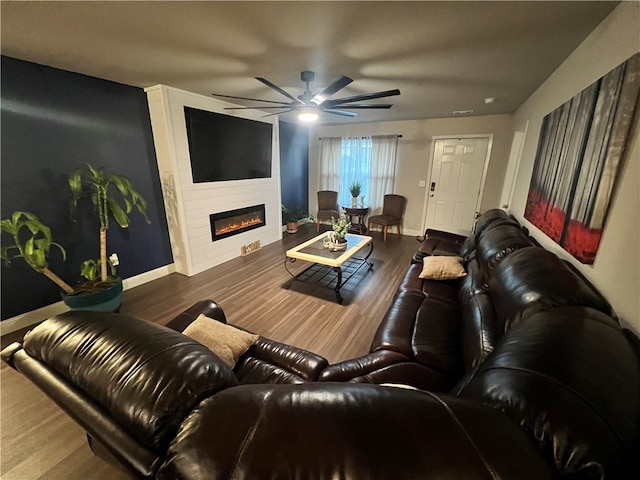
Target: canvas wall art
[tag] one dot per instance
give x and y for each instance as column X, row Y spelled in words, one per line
column 578, row 159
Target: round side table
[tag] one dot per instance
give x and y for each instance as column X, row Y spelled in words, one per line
column 360, row 227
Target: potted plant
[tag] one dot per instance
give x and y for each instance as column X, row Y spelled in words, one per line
column 355, row 189
column 32, row 239
column 336, row 239
column 292, row 215
column 113, row 197
column 32, row 242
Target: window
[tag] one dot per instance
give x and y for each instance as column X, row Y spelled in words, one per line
column 368, row 160
column 355, row 166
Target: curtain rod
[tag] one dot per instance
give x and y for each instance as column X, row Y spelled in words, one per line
column 399, row 135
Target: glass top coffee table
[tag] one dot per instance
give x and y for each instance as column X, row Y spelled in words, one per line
column 344, row 263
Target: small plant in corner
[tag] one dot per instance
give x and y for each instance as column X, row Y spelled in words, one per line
column 292, row 215
column 32, row 242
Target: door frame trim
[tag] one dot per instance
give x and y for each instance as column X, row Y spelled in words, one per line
column 485, row 168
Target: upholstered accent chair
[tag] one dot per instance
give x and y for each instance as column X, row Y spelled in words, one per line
column 392, row 213
column 327, row 207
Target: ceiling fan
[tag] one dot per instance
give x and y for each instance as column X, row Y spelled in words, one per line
column 309, row 104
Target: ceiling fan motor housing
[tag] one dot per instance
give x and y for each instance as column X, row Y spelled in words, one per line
column 307, row 76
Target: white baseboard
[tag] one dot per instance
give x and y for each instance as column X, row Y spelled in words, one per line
column 36, row 316
column 145, row 277
column 27, row 319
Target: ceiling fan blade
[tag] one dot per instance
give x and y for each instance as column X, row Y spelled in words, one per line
column 247, row 98
column 277, row 113
column 357, row 98
column 340, row 112
column 360, row 106
column 256, row 107
column 279, row 90
column 337, row 85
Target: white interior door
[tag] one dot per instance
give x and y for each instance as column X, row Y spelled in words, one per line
column 456, row 181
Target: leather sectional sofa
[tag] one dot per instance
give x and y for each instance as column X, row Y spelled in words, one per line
column 518, row 370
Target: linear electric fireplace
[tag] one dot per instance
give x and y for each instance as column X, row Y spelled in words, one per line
column 232, row 222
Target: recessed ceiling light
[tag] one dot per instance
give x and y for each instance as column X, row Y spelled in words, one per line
column 463, row 112
column 489, row 100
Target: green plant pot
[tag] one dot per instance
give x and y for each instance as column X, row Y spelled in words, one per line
column 103, row 301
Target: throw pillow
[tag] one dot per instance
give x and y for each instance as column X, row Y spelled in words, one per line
column 227, row 342
column 442, row 268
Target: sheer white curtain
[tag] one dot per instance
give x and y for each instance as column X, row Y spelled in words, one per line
column 368, row 160
column 356, row 167
column 383, row 170
column 330, row 153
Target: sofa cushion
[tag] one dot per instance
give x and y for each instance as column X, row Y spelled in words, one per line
column 498, row 242
column 423, row 328
column 442, row 268
column 474, row 282
column 468, row 248
column 479, row 330
column 226, row 341
column 437, row 242
column 444, row 289
column 533, row 279
column 569, row 377
column 436, row 336
column 492, row 218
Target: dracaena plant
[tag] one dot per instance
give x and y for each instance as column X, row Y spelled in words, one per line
column 113, row 197
column 32, row 242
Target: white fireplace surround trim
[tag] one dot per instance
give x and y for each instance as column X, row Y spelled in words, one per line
column 188, row 205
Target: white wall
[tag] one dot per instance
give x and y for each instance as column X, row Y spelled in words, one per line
column 188, row 205
column 616, row 270
column 414, row 154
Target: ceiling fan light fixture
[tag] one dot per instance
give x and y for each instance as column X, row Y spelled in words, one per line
column 308, row 106
column 307, row 115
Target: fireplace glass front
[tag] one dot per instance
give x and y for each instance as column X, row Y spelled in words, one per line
column 233, row 222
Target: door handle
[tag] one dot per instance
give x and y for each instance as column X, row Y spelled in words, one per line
column 433, row 186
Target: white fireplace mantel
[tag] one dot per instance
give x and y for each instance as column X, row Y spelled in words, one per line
column 187, row 204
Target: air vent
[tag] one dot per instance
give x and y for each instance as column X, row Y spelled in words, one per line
column 463, row 112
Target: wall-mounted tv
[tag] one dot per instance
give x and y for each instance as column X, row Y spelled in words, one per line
column 223, row 147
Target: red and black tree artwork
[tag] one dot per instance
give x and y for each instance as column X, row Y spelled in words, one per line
column 580, row 151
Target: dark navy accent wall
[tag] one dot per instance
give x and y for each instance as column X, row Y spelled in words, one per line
column 54, row 121
column 294, row 164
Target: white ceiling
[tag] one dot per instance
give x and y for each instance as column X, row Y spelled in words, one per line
column 443, row 56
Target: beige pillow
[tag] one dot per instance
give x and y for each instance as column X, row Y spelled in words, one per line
column 442, row 268
column 227, row 342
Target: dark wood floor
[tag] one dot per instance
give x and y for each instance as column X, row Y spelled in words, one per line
column 38, row 441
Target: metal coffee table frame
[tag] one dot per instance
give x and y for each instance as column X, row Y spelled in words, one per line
column 344, row 263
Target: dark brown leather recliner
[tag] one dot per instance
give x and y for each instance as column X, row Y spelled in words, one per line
column 161, row 405
column 523, row 371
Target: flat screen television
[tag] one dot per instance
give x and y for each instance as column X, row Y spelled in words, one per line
column 223, row 147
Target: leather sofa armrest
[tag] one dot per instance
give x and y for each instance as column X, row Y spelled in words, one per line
column 206, row 307
column 361, row 366
column 8, row 353
column 268, row 361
